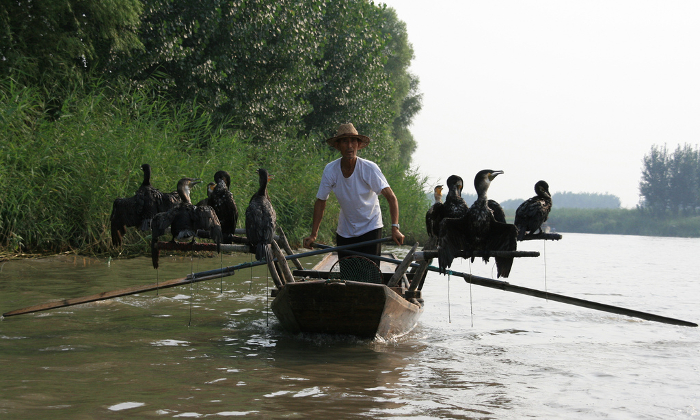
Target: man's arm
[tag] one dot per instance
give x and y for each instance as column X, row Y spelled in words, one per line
column 396, row 234
column 319, row 209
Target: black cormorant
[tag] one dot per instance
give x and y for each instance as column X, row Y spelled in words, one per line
column 260, row 220
column 453, row 207
column 139, row 209
column 205, row 201
column 185, row 219
column 534, row 211
column 221, row 200
column 478, row 230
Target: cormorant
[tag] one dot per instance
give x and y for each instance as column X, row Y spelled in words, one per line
column 185, row 219
column 205, row 201
column 260, row 220
column 139, row 209
column 478, row 230
column 534, row 211
column 221, row 200
column 454, row 206
column 434, row 213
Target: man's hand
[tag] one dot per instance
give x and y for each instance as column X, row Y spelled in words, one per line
column 396, row 235
column 309, row 241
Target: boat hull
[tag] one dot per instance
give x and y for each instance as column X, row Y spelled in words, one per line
column 345, row 307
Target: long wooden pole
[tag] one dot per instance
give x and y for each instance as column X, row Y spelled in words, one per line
column 502, row 285
column 192, row 278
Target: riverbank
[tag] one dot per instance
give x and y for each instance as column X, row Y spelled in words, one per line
column 61, row 175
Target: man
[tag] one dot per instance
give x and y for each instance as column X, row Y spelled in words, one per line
column 356, row 183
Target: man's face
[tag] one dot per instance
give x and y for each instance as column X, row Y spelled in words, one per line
column 348, row 147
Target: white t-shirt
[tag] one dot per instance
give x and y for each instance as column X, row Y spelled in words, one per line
column 357, row 195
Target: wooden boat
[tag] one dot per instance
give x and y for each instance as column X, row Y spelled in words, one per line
column 317, row 302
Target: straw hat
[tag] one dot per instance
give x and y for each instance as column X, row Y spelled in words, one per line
column 348, row 130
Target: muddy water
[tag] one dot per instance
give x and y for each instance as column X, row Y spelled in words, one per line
column 215, row 350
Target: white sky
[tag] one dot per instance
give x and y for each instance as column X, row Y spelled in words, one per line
column 572, row 92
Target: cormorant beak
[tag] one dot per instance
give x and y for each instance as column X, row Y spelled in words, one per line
column 494, row 174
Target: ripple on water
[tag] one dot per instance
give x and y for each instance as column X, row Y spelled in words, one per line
column 172, row 343
column 126, row 406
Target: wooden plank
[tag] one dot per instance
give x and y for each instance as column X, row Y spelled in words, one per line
column 285, row 272
column 401, row 270
column 288, row 249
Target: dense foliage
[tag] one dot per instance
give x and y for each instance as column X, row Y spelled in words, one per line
column 89, row 90
column 61, row 176
column 270, row 69
column 670, row 182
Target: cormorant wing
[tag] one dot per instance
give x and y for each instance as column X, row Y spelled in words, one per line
column 455, row 239
column 205, row 218
column 498, row 213
column 530, row 215
column 502, row 237
column 221, row 200
column 124, row 214
column 167, row 201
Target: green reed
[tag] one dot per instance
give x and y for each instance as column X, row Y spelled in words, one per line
column 62, row 166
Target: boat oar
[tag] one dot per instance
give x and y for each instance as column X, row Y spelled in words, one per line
column 502, row 285
column 192, row 278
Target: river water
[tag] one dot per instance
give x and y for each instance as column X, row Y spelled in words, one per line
column 477, row 353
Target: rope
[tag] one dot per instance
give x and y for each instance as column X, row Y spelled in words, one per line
column 449, row 308
column 544, row 251
column 471, row 302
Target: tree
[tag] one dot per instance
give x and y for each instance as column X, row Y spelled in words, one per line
column 654, row 186
column 51, row 40
column 406, row 98
column 683, row 182
column 248, row 62
column 352, row 85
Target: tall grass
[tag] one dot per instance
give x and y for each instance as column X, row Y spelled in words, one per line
column 62, row 170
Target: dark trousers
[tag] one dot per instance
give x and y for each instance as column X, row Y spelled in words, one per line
column 373, row 249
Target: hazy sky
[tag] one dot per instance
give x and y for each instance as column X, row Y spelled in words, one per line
column 572, row 92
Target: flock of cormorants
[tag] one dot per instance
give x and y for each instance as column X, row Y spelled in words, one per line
column 459, row 230
column 456, row 229
column 216, row 215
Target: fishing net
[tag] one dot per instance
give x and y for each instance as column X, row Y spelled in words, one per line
column 356, row 268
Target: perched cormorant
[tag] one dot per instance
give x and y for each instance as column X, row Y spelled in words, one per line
column 534, row 211
column 185, row 219
column 478, row 230
column 260, row 220
column 434, row 213
column 454, row 206
column 221, row 200
column 139, row 209
column 205, row 201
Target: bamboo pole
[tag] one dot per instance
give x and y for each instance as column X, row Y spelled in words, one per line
column 192, row 278
column 505, row 286
column 288, row 249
